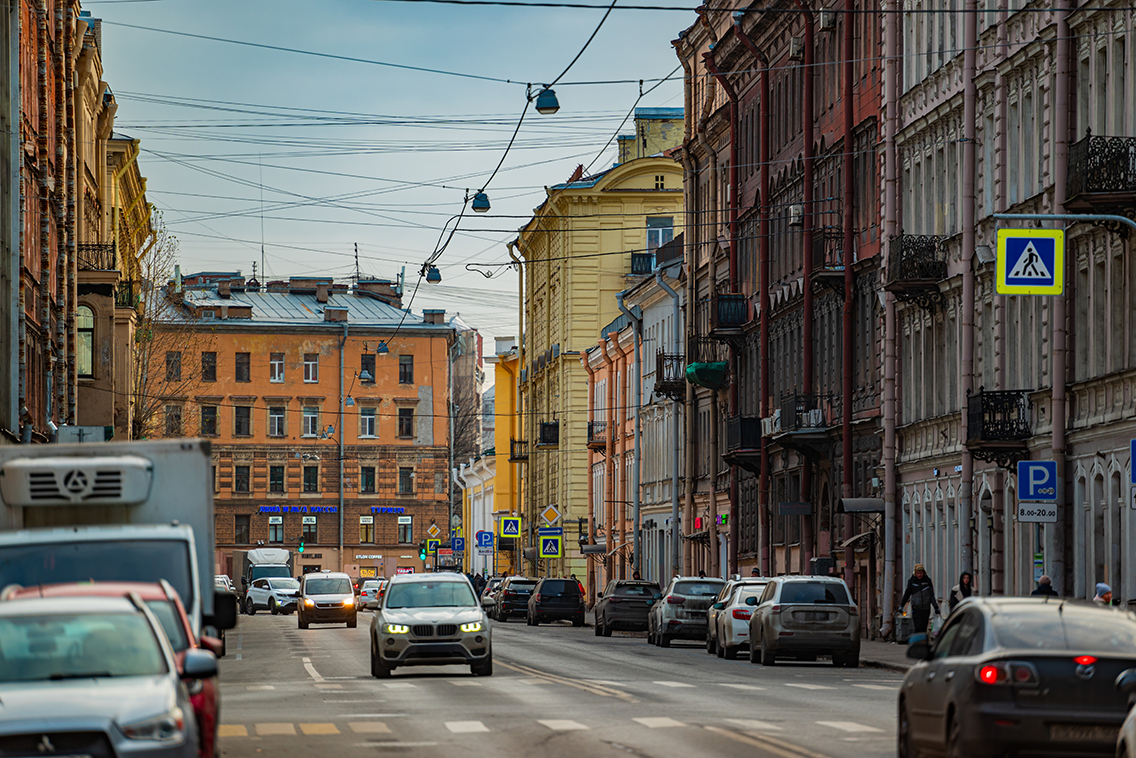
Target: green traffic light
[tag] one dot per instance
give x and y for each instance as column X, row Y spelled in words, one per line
column 301, row 547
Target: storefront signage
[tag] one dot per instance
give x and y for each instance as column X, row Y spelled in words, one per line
column 404, row 570
column 366, row 519
column 298, row 509
column 386, row 509
column 406, row 519
column 275, row 519
column 309, row 519
column 369, row 557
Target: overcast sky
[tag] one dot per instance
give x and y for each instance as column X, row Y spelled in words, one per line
column 315, row 155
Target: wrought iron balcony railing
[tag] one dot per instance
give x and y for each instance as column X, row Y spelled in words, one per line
column 729, row 312
column 642, row 264
column 1102, row 165
column 670, row 375
column 549, row 433
column 803, row 412
column 743, row 433
column 95, row 256
column 597, row 434
column 916, row 259
column 126, row 295
column 998, row 416
column 518, row 450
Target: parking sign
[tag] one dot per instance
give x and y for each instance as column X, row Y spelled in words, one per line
column 485, row 539
column 1037, row 481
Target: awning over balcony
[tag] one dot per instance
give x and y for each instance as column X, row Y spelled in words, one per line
column 709, row 375
column 860, row 505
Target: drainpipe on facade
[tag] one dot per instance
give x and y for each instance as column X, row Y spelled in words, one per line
column 16, row 411
column 340, row 430
column 970, row 97
column 522, row 480
column 690, row 256
column 609, row 466
column 42, row 163
column 590, row 562
column 451, row 408
column 849, row 302
column 712, row 275
column 676, row 534
column 637, row 331
column 75, row 31
column 58, row 338
column 1055, row 544
column 891, row 209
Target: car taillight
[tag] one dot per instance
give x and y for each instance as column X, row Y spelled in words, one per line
column 1017, row 673
column 742, row 613
column 1085, row 660
column 615, row 600
column 673, row 600
column 538, row 597
column 853, row 610
column 775, row 609
column 509, row 593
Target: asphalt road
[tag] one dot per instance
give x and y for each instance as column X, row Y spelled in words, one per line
column 556, row 691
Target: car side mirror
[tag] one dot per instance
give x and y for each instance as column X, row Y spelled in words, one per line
column 658, row 596
column 719, row 606
column 212, row 644
column 751, row 601
column 919, row 647
column 599, row 595
column 244, row 582
column 1126, row 682
column 199, row 664
column 224, row 610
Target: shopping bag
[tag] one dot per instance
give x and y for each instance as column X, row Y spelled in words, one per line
column 936, row 625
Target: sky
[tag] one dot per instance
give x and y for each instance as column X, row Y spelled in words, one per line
column 273, row 126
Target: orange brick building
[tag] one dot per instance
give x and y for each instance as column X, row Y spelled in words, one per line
column 291, row 380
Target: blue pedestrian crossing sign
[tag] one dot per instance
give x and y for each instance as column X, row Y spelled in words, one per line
column 550, row 545
column 510, row 526
column 1030, row 262
column 432, row 546
column 1037, row 481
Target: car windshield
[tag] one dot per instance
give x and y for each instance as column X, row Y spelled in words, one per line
column 29, row 564
column 747, row 591
column 284, row 584
column 328, row 585
column 705, row 587
column 636, row 590
column 1046, row 629
column 522, row 586
column 78, row 646
column 811, row 593
column 263, row 572
column 430, row 595
column 168, row 617
column 371, row 585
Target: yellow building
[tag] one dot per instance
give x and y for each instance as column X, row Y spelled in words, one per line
column 591, row 239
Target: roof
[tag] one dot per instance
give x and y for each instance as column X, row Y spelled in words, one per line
column 442, row 576
column 144, row 590
column 658, row 113
column 69, row 605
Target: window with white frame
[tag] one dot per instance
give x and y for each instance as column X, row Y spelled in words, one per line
column 311, row 367
column 367, row 422
column 276, row 367
column 311, row 422
column 660, row 231
column 276, row 415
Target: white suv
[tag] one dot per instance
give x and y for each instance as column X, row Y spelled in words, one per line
column 802, row 617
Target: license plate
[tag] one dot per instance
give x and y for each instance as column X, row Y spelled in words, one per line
column 1083, row 732
column 812, row 616
column 697, row 613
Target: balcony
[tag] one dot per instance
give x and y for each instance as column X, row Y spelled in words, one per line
column 916, row 265
column 1102, row 175
column 518, row 450
column 670, row 375
column 597, row 435
column 549, row 434
column 707, row 365
column 126, row 295
column 743, row 442
column 729, row 313
column 642, row 264
column 998, row 426
column 95, row 256
column 804, row 422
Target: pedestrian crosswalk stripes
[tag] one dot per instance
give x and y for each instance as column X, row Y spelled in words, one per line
column 562, row 725
column 849, row 726
column 658, row 722
column 754, row 725
column 466, row 727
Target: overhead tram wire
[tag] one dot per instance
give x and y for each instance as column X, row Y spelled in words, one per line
column 695, row 9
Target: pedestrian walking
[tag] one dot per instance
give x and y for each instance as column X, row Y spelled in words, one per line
column 1045, row 587
column 1104, row 594
column 755, row 571
column 921, row 592
column 701, row 574
column 636, row 575
column 960, row 591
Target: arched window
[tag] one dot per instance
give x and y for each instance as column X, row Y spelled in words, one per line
column 85, row 325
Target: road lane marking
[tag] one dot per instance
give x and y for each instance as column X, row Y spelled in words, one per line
column 742, row 686
column 238, row 656
column 253, row 687
column 328, row 686
column 673, row 684
column 270, row 729
column 369, row 727
column 387, row 745
column 849, row 726
column 809, row 686
column 528, row 681
column 312, row 670
column 371, row 715
column 232, row 730
column 877, row 687
column 579, row 684
column 319, row 729
column 400, row 686
column 466, row 727
column 462, row 683
column 606, row 683
column 658, row 722
column 767, row 744
column 754, row 725
column 562, row 725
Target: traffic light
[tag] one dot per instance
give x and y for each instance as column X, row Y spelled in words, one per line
column 301, row 546
column 422, row 550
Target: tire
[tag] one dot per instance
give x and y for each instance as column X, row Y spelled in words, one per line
column 250, row 607
column 579, row 621
column 954, row 738
column 852, row 661
column 598, row 628
column 379, row 670
column 904, row 744
column 272, row 606
column 753, row 653
column 710, row 646
column 485, row 669
column 730, row 652
column 353, row 622
column 767, row 658
column 719, row 651
column 607, row 630
column 301, row 623
column 664, row 641
column 502, row 617
column 838, row 660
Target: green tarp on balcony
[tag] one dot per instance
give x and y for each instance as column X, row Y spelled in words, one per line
column 709, row 375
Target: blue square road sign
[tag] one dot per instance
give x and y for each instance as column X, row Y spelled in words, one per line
column 1037, row 481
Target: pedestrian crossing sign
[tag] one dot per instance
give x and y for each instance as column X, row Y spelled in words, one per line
column 510, row 526
column 432, row 546
column 550, row 546
column 1030, row 262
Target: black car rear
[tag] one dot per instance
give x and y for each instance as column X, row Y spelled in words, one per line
column 513, row 597
column 624, row 604
column 556, row 599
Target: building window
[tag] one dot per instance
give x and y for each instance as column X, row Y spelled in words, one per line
column 173, row 420
column 311, row 422
column 276, row 529
column 367, row 364
column 241, row 530
column 85, row 326
column 276, row 367
column 311, row 368
column 310, row 532
column 276, row 421
column 406, row 369
column 242, row 371
column 367, row 479
column 242, row 421
column 405, row 422
column 405, row 529
column 173, row 365
column 660, row 181
column 406, row 481
column 240, row 478
column 208, row 421
column 367, row 530
column 209, row 367
column 660, row 231
column 275, row 478
column 311, row 479
column 366, row 422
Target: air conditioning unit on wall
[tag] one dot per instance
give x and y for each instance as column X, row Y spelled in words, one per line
column 828, row 20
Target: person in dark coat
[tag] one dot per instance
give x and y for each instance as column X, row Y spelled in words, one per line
column 960, row 591
column 1045, row 587
column 921, row 592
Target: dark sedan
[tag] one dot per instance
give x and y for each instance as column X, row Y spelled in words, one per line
column 1021, row 675
column 624, row 604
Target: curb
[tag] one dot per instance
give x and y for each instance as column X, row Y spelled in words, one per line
column 886, row 665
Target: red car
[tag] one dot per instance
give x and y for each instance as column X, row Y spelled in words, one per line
column 164, row 603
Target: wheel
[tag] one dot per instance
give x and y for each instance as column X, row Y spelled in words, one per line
column 607, row 630
column 955, row 748
column 838, row 659
column 753, row 653
column 767, row 658
column 578, row 621
column 301, row 622
column 904, row 744
column 710, row 646
column 664, row 641
column 598, row 627
column 485, row 669
column 352, row 622
column 502, row 617
column 730, row 652
column 379, row 670
column 250, row 607
column 852, row 661
column 272, row 606
column 718, row 649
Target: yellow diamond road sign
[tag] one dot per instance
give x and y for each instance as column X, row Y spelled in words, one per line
column 550, row 514
column 1030, row 262
column 434, row 531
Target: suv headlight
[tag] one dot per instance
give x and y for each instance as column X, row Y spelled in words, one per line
column 474, row 626
column 309, row 602
column 169, row 727
column 398, row 629
column 349, row 601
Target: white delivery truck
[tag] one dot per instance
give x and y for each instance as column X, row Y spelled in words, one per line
column 113, row 511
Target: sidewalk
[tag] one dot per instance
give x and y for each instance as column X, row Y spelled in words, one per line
column 884, row 655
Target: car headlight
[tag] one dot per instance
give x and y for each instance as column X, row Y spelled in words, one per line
column 309, row 602
column 474, row 626
column 349, row 601
column 169, row 727
column 398, row 629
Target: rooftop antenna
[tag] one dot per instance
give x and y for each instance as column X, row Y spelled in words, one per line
column 260, row 161
column 254, row 269
column 356, row 263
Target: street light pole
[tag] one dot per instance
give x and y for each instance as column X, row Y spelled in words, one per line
column 342, row 344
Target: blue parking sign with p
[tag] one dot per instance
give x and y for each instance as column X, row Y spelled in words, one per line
column 485, row 539
column 1037, row 481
